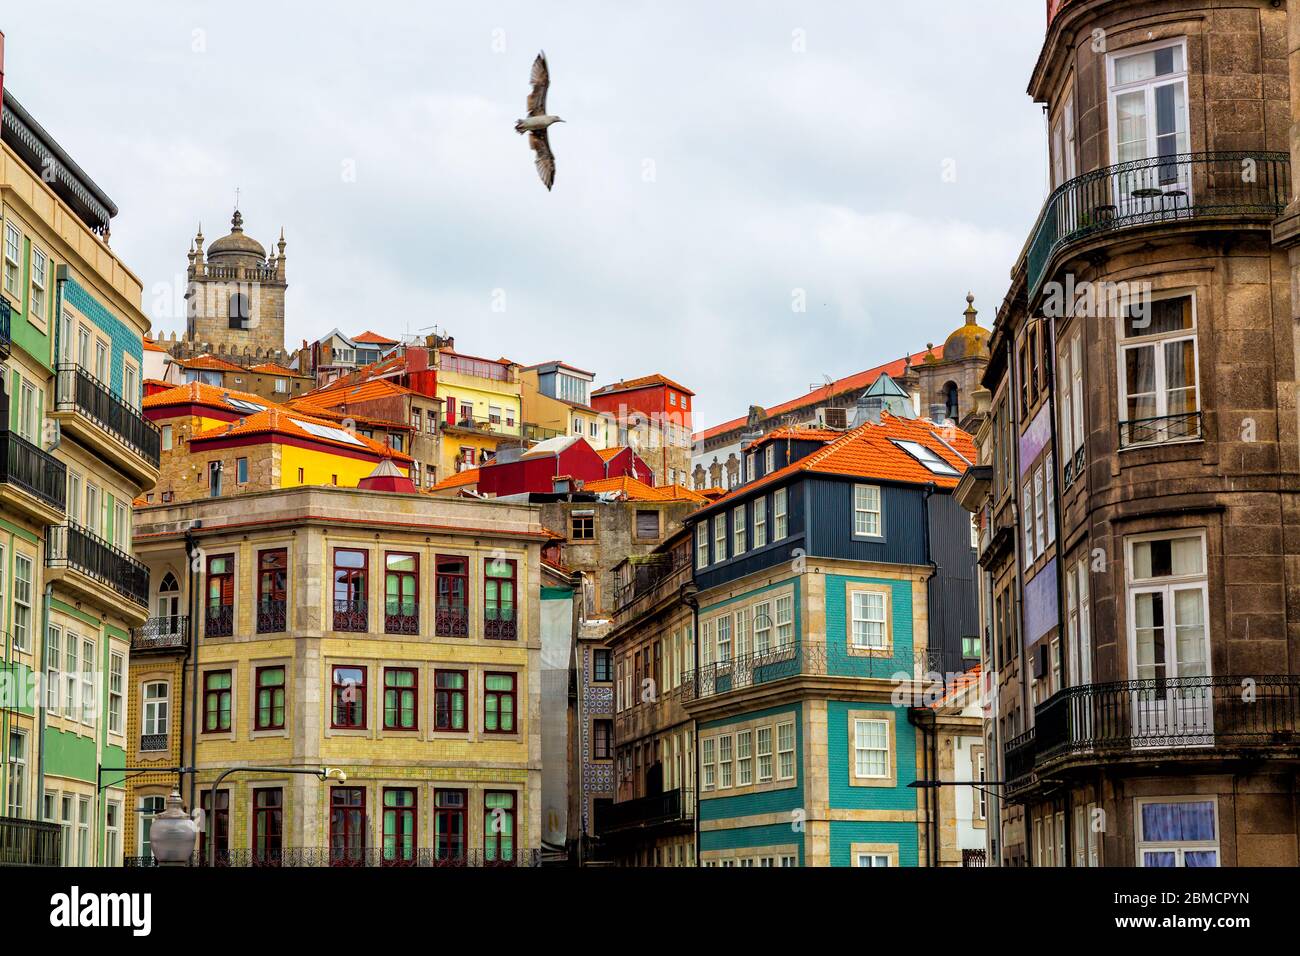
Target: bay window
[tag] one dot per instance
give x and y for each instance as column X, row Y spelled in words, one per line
column 1158, row 360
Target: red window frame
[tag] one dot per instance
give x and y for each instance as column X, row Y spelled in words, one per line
column 395, row 615
column 347, row 826
column 357, row 706
column 406, row 812
column 349, row 589
column 271, row 689
column 451, row 595
column 218, row 824
column 450, row 823
column 492, row 837
column 443, row 698
column 219, row 598
column 217, row 693
column 500, row 616
column 401, row 692
column 500, row 695
column 272, row 590
column 268, row 825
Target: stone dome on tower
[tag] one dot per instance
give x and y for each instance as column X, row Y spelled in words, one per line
column 236, row 245
column 971, row 340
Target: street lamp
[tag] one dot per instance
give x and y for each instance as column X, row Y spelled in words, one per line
column 172, row 834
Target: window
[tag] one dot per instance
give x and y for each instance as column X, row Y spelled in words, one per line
column 71, row 682
column 869, row 620
column 349, row 709
column 401, row 593
column 1069, row 387
column 779, row 521
column 269, row 713
column 785, row 751
column 351, row 606
column 1148, row 106
column 22, row 595
column 499, row 703
column 1049, row 481
column 724, row 639
column 1027, row 520
column 449, row 824
column 1176, row 833
column 1040, row 523
column 760, row 522
column 40, row 278
column 116, row 667
column 873, row 859
column 53, row 661
column 970, row 648
column 399, row 827
column 268, row 824
column 347, row 825
column 866, row 510
column 738, row 530
column 981, row 793
column 928, row 458
column 647, row 525
column 499, row 825
column 871, row 748
column 499, row 600
column 762, row 628
column 83, row 832
column 707, row 764
column 13, row 249
column 744, row 758
column 272, row 585
column 582, row 526
column 16, row 799
column 764, row 735
column 701, row 546
column 88, row 670
column 720, row 537
column 1168, row 613
column 241, row 471
column 601, row 664
column 93, row 522
column 219, row 617
column 238, row 311
column 150, row 807
column 154, row 715
column 602, row 736
column 451, row 616
column 726, row 768
column 449, row 706
column 784, row 621
column 216, row 701
column 401, row 690
column 1158, row 360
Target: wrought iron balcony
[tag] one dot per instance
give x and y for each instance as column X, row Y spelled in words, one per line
column 499, row 624
column 272, row 615
column 352, row 615
column 72, row 546
column 401, row 617
column 1164, row 189
column 1186, row 714
column 451, row 620
column 782, row 662
column 168, row 633
column 643, row 813
column 152, row 743
column 1157, row 431
column 77, row 390
column 298, row 858
column 219, row 620
column 29, row 842
column 35, row 471
column 6, row 340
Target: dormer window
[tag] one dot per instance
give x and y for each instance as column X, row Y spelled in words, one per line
column 932, row 462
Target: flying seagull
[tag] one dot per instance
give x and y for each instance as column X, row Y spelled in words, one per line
column 539, row 121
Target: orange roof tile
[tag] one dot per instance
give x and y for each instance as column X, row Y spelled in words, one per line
column 849, row 383
column 868, row 451
column 798, row 434
column 459, row 480
column 283, row 421
column 273, row 368
column 634, row 490
column 336, row 396
column 607, row 453
column 645, row 381
column 210, row 362
column 151, row 346
column 373, row 338
column 197, row 393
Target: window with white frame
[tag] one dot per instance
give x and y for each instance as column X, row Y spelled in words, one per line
column 12, row 254
column 1148, row 119
column 724, row 638
column 873, row 860
column 785, row 751
column 116, row 668
column 40, row 279
column 1078, row 626
column 726, row 768
column 22, row 596
column 1049, row 501
column 1168, row 601
column 866, row 511
column 701, row 546
column 869, row 627
column 1027, row 521
column 1158, row 372
column 760, row 522
column 154, row 713
column 71, row 680
column 780, row 524
column 744, row 758
column 112, row 833
column 762, row 627
column 742, row 633
column 769, row 459
column 53, row 661
column 738, row 530
column 720, row 538
column 1177, row 833
column 870, row 748
column 764, row 742
column 1069, row 390
column 16, row 796
column 784, row 621
column 88, row 670
column 706, row 642
column 1040, row 524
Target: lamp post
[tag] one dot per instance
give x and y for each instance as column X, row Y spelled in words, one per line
column 171, row 836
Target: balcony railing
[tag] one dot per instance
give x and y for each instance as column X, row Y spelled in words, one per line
column 219, row 620
column 152, row 743
column 352, row 615
column 297, row 858
column 35, row 471
column 1173, row 188
column 671, row 806
column 6, row 340
column 272, row 615
column 1156, row 431
column 536, row 433
column 499, row 624
column 77, row 390
column 401, row 617
column 72, row 546
column 1185, row 713
column 451, row 620
column 29, row 842
column 782, row 662
column 171, row 632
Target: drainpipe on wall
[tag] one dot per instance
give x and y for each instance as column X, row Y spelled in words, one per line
column 690, row 600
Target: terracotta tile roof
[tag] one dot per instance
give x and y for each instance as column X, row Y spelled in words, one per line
column 197, row 393
column 336, row 396
column 273, row 368
column 373, row 338
column 798, row 434
column 307, row 407
column 645, row 381
column 151, row 346
column 210, row 362
column 283, row 421
column 634, row 490
column 958, row 686
column 849, row 383
column 608, row 453
column 868, row 451
column 459, row 480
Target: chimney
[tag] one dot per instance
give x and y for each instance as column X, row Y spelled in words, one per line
column 938, row 414
column 868, row 409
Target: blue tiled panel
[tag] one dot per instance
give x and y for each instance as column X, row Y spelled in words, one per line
column 839, row 662
column 124, row 340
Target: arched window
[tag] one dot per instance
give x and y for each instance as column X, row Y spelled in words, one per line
column 239, row 311
column 169, row 606
column 951, row 408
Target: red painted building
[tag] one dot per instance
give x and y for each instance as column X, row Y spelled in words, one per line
column 654, row 416
column 565, row 457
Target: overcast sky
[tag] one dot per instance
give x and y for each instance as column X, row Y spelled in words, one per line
column 882, row 157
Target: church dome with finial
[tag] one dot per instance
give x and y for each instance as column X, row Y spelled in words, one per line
column 969, row 341
column 236, row 245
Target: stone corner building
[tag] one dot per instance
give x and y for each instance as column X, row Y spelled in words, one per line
column 1138, row 506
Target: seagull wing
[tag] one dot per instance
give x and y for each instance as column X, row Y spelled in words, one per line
column 545, row 159
column 541, row 80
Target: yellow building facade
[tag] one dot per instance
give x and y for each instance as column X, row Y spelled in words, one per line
column 482, row 404
column 391, row 637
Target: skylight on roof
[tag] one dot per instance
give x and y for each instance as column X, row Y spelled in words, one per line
column 246, row 406
column 327, row 431
column 929, row 459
